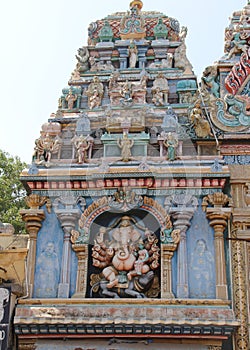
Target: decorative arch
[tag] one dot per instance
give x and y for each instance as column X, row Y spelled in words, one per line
column 105, row 237
column 102, row 204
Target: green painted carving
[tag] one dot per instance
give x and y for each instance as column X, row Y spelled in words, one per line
column 106, row 33
column 160, row 30
column 210, row 80
column 70, row 98
column 230, row 114
column 187, row 84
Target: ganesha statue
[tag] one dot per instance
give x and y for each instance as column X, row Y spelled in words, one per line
column 127, row 255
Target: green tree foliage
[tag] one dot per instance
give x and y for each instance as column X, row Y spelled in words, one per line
column 12, row 192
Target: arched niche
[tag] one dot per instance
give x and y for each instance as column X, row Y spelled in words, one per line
column 133, row 238
column 125, row 235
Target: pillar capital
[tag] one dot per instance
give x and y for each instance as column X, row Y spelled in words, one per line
column 33, row 220
column 218, row 218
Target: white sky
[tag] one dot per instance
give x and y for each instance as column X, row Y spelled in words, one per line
column 39, row 40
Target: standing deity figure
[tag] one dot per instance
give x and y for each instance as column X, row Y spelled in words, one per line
column 71, row 98
column 160, row 86
column 171, row 143
column 125, row 144
column 82, row 144
column 95, row 93
column 133, row 54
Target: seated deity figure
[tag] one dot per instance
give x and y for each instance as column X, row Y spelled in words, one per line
column 180, row 59
column 160, row 85
column 126, row 93
column 82, row 58
column 158, row 97
column 128, row 255
column 200, row 124
column 95, row 93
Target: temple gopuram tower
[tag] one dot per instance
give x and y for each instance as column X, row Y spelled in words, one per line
column 139, row 195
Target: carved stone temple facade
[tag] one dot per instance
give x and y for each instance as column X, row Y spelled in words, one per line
column 139, row 195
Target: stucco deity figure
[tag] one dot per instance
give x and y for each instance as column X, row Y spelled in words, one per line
column 200, row 124
column 158, row 97
column 82, row 58
column 238, row 43
column 95, row 93
column 140, row 265
column 45, row 146
column 127, row 259
column 171, row 143
column 202, row 267
column 113, row 81
column 126, row 93
column 245, row 18
column 133, row 54
column 82, row 144
column 180, row 59
column 71, row 98
column 47, row 272
column 125, row 144
column 164, row 63
column 183, row 33
column 160, row 85
column 209, row 79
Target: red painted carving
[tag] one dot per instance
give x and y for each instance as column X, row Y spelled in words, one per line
column 238, row 74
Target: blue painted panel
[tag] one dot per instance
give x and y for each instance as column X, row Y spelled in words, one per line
column 48, row 258
column 201, row 257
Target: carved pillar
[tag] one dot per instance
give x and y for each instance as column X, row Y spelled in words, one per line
column 68, row 218
column 218, row 216
column 123, row 56
column 240, row 234
column 240, row 287
column 182, row 208
column 82, row 268
column 218, row 220
column 167, row 252
column 142, row 55
column 182, row 218
column 33, row 218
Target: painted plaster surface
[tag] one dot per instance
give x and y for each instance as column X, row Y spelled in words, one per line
column 104, row 345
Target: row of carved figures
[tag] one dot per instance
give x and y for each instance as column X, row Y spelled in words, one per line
column 121, row 93
column 82, row 146
column 93, row 63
